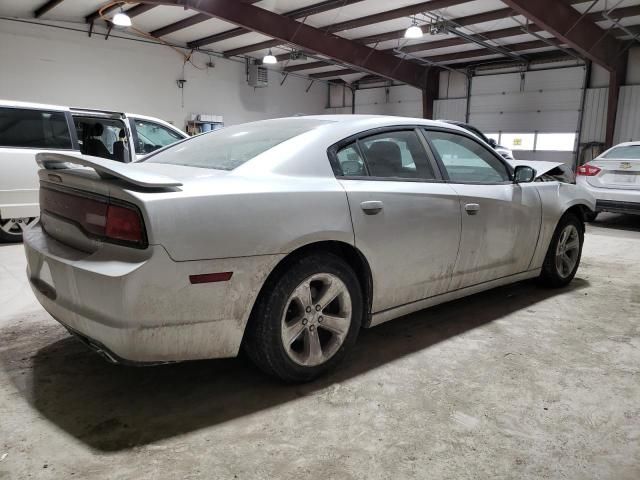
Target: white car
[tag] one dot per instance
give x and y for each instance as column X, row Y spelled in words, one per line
column 286, row 236
column 613, row 178
column 29, row 128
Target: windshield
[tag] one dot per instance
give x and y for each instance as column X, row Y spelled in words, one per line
column 230, row 147
column 629, row 151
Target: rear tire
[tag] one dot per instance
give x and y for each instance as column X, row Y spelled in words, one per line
column 11, row 228
column 565, row 250
column 306, row 319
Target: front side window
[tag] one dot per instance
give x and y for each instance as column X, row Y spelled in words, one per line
column 151, row 136
column 466, row 161
column 25, row 128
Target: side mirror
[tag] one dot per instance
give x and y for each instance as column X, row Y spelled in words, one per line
column 493, row 143
column 524, row 174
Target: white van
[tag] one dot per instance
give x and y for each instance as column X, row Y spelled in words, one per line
column 29, row 128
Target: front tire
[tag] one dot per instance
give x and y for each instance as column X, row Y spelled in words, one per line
column 590, row 216
column 306, row 319
column 564, row 253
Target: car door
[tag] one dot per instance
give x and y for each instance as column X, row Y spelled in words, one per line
column 406, row 220
column 500, row 219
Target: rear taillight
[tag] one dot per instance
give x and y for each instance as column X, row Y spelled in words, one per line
column 124, row 224
column 588, row 170
column 99, row 217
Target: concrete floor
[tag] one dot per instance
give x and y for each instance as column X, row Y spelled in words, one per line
column 519, row 382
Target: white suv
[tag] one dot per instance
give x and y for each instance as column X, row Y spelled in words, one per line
column 29, row 128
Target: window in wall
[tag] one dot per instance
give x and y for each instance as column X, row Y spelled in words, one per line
column 518, row 141
column 495, row 136
column 559, row 142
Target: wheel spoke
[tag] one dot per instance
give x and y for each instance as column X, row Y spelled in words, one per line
column 303, row 294
column 567, row 264
column 6, row 226
column 292, row 331
column 336, row 325
column 329, row 295
column 313, row 349
column 573, row 244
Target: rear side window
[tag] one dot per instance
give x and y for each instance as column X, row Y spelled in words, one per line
column 391, row 155
column 25, row 128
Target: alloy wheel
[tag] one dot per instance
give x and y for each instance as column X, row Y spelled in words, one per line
column 567, row 251
column 16, row 226
column 316, row 319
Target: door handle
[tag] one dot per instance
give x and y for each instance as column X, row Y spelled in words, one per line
column 472, row 208
column 372, row 207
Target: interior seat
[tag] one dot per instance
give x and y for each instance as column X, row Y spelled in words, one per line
column 384, row 159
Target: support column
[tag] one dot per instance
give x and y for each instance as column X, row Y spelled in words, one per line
column 616, row 78
column 430, row 92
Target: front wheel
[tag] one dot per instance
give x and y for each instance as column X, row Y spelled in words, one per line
column 11, row 228
column 563, row 257
column 306, row 320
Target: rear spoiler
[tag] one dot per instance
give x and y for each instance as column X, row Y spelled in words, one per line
column 133, row 173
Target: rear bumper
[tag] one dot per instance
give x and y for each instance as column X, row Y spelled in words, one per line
column 617, row 207
column 138, row 306
column 613, row 199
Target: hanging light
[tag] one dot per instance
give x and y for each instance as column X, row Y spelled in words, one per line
column 414, row 31
column 269, row 58
column 121, row 19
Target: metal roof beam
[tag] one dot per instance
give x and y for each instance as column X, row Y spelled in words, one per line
column 289, row 31
column 572, row 28
column 46, row 7
column 303, row 12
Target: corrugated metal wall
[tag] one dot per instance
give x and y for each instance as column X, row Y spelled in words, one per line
column 594, row 115
column 628, row 118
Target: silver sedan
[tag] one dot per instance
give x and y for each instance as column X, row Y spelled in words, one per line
column 613, row 178
column 284, row 237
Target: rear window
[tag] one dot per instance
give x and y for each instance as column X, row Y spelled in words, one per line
column 230, row 147
column 629, row 151
column 26, row 128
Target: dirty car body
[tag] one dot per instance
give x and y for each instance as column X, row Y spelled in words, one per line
column 165, row 259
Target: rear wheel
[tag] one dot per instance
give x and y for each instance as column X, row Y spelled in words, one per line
column 306, row 319
column 11, row 228
column 565, row 250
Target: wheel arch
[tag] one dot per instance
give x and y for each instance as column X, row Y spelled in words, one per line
column 349, row 253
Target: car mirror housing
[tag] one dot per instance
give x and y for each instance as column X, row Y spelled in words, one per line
column 524, row 174
column 493, row 143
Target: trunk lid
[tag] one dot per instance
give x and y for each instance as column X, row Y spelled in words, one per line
column 616, row 173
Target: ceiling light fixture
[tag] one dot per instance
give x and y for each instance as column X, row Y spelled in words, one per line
column 414, row 31
column 121, row 19
column 269, row 58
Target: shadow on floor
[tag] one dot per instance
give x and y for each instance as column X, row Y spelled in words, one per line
column 630, row 223
column 113, row 408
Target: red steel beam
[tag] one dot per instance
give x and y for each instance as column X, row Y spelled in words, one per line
column 46, row 7
column 287, row 30
column 360, row 22
column 302, row 12
column 430, row 92
column 569, row 26
column 186, row 23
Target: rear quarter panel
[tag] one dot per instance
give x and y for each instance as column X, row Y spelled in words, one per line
column 237, row 217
